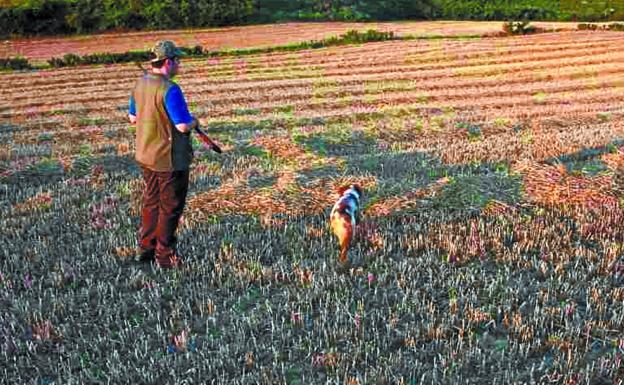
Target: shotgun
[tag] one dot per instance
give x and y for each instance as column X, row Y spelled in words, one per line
column 203, row 137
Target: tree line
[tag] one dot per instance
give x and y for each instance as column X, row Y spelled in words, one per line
column 52, row 17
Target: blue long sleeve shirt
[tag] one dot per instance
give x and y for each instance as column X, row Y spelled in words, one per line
column 175, row 104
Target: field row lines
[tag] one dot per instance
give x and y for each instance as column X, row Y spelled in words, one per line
column 590, row 66
column 302, row 98
column 364, row 54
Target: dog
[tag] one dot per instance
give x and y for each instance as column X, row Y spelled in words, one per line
column 345, row 216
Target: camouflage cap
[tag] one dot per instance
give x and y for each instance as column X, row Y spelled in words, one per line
column 165, row 49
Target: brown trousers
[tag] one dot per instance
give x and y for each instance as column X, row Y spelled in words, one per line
column 164, row 199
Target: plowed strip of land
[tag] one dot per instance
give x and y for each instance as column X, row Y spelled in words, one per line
column 42, row 49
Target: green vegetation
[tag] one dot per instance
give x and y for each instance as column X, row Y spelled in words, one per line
column 17, row 63
column 71, row 59
column 592, row 10
column 46, row 17
column 500, row 10
column 350, row 37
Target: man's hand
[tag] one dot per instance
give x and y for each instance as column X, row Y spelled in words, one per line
column 187, row 127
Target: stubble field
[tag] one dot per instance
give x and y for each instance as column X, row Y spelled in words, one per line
column 490, row 249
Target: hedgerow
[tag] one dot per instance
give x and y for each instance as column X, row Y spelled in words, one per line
column 350, row 37
column 15, row 63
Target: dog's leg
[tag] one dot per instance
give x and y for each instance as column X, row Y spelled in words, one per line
column 344, row 232
column 345, row 242
column 344, row 249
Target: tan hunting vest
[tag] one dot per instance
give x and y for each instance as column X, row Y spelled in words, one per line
column 159, row 145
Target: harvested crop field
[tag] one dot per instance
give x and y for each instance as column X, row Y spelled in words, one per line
column 490, row 250
column 41, row 49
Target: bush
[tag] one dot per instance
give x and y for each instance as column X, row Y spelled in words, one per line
column 123, row 14
column 111, row 58
column 594, row 27
column 17, row 63
column 397, row 9
column 49, row 17
column 518, row 27
column 56, row 62
column 71, row 59
column 355, row 37
column 587, row 27
column 616, row 27
column 268, row 11
column 34, row 18
column 85, row 16
column 498, row 9
column 198, row 50
column 532, row 13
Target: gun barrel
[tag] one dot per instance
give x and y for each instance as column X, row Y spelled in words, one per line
column 207, row 141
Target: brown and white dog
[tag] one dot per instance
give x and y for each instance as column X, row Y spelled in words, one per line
column 345, row 216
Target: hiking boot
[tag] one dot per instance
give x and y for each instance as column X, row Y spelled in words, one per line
column 146, row 256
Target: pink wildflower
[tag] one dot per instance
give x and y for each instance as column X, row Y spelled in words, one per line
column 295, row 317
column 27, row 281
column 371, row 278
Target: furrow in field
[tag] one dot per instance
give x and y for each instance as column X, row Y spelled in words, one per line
column 220, row 106
column 220, row 102
column 396, row 53
column 595, row 65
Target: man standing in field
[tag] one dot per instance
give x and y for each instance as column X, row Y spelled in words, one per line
column 164, row 152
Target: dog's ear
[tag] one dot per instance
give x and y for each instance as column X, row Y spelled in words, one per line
column 357, row 188
column 341, row 190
